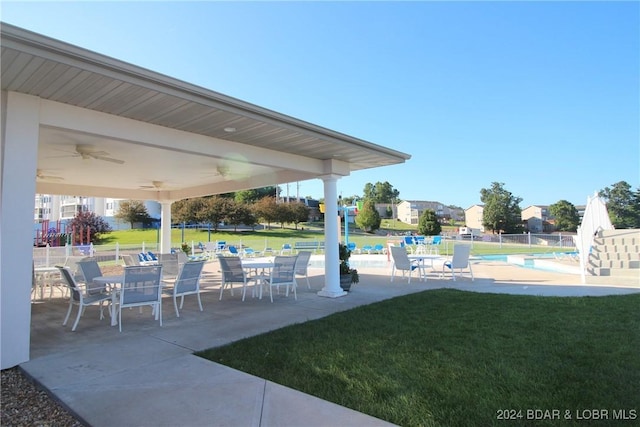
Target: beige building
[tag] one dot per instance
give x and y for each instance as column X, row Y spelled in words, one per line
column 537, row 219
column 409, row 211
column 473, row 217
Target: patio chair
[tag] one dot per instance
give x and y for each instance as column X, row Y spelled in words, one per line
column 302, row 265
column 141, row 286
column 233, row 250
column 408, row 242
column 459, row 261
column 170, row 265
column 402, row 262
column 187, row 283
column 379, row 249
column 90, row 269
column 435, row 244
column 80, row 297
column 367, row 248
column 232, row 272
column 286, row 249
column 130, row 260
column 282, row 274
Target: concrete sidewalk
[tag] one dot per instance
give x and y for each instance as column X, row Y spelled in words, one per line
column 147, row 375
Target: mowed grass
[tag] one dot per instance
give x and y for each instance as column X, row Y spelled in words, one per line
column 276, row 237
column 453, row 358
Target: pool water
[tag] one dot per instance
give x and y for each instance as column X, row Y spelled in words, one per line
column 544, row 261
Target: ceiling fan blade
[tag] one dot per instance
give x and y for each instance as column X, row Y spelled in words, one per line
column 106, row 159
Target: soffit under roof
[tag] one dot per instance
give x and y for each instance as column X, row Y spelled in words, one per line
column 56, row 71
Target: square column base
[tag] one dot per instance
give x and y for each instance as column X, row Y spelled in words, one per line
column 332, row 294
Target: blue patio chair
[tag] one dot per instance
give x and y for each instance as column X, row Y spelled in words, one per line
column 379, row 249
column 286, row 249
column 435, row 244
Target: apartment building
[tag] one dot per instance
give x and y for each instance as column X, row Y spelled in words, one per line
column 63, row 208
column 409, row 211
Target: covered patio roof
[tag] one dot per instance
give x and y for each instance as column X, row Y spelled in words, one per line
column 75, row 122
column 112, row 129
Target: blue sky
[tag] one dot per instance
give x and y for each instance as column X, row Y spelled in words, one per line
column 541, row 96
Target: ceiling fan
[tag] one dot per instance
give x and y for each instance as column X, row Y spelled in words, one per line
column 86, row 152
column 41, row 176
column 154, row 185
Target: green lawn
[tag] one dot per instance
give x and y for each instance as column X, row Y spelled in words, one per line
column 451, row 358
column 276, row 237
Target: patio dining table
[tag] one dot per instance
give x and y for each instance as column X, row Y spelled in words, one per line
column 112, row 282
column 423, row 258
column 44, row 275
column 253, row 265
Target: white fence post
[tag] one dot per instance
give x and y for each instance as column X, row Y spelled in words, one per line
column 117, row 252
column 46, row 255
column 529, row 238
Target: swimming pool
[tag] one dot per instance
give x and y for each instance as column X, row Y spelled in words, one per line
column 542, row 261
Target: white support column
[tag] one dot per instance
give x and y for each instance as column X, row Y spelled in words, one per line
column 18, row 155
column 332, row 287
column 165, row 224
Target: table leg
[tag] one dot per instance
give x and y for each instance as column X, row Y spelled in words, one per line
column 114, row 322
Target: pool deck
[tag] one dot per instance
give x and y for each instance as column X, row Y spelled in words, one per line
column 148, row 375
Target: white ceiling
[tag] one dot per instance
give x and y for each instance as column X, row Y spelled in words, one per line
column 172, row 137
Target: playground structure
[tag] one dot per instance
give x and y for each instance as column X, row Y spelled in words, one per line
column 57, row 234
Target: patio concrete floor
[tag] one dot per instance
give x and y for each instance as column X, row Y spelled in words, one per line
column 147, row 375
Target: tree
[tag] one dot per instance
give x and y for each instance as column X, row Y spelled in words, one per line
column 623, row 205
column 133, row 211
column 89, row 220
column 566, row 216
column 186, row 210
column 501, row 212
column 428, row 225
column 299, row 213
column 368, row 219
column 240, row 213
column 381, row 192
column 214, row 210
column 255, row 194
column 266, row 209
